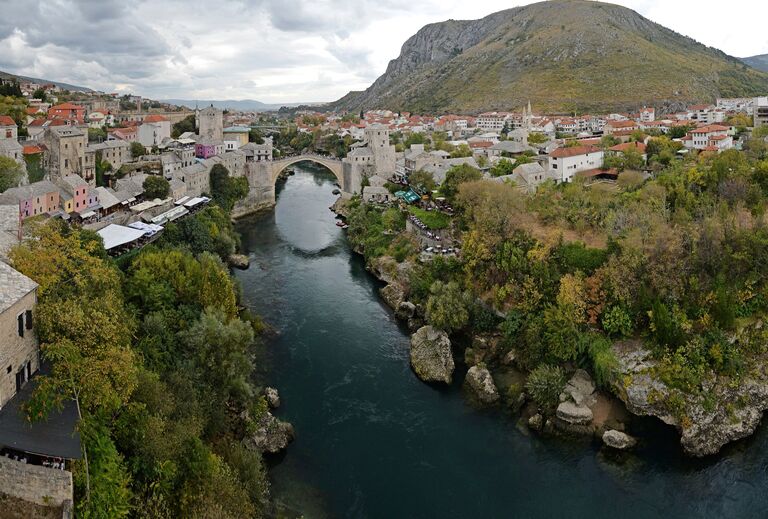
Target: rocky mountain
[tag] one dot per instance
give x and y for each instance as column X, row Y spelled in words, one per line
column 759, row 62
column 563, row 55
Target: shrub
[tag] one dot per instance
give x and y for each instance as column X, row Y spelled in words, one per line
column 617, row 322
column 447, row 306
column 601, row 356
column 545, row 384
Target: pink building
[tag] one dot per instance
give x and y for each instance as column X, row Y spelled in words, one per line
column 205, row 150
column 35, row 199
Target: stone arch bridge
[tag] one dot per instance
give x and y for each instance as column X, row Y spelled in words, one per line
column 263, row 175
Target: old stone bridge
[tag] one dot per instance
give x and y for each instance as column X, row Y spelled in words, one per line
column 263, row 175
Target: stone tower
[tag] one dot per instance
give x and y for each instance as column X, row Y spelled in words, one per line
column 211, row 124
column 377, row 140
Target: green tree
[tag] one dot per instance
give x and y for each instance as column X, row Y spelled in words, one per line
column 97, row 135
column 185, row 125
column 422, row 181
column 137, row 149
column 447, row 306
column 156, row 186
column 225, row 190
column 456, row 176
column 40, row 94
column 503, row 167
column 10, row 173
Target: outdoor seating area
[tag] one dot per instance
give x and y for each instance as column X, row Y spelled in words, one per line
column 119, row 239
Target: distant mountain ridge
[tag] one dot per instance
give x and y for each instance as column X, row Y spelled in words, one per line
column 65, row 86
column 564, row 55
column 759, row 62
column 238, row 105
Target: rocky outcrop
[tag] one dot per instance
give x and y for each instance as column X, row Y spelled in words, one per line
column 720, row 412
column 574, row 414
column 271, row 435
column 239, row 261
column 618, row 440
column 272, row 397
column 431, row 356
column 396, row 276
column 536, row 422
column 479, row 383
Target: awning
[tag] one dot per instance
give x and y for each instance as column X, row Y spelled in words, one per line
column 55, row 437
column 117, row 235
column 88, row 214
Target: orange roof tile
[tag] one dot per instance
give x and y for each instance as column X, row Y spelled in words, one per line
column 573, row 151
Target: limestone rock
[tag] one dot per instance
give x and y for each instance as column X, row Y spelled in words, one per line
column 509, row 358
column 574, row 414
column 240, row 261
column 536, row 422
column 480, row 383
column 406, row 310
column 393, row 295
column 581, row 389
column 618, row 440
column 273, row 397
column 431, row 356
column 271, row 435
column 706, row 428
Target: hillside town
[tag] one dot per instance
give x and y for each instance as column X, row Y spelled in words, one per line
column 125, row 167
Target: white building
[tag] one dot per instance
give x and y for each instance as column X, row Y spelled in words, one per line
column 709, row 138
column 493, row 121
column 564, row 163
column 153, row 130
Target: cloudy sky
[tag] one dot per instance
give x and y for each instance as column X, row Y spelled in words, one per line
column 277, row 50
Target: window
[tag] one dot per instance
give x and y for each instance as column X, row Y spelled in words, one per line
column 28, row 319
column 20, row 322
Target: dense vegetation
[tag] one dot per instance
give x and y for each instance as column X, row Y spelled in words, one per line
column 676, row 260
column 158, row 358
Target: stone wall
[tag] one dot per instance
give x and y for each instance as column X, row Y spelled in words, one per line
column 40, row 485
column 16, row 351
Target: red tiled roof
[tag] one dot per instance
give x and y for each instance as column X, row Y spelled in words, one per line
column 480, row 144
column 6, row 121
column 711, row 128
column 639, row 146
column 573, row 151
column 66, row 106
column 32, row 149
column 154, row 118
column 621, row 124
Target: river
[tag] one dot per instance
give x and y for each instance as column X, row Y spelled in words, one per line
column 375, row 442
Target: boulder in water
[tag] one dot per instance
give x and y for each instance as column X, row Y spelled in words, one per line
column 272, row 397
column 271, row 435
column 480, row 384
column 431, row 356
column 240, row 261
column 618, row 440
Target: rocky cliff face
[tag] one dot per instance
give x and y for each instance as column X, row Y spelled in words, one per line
column 724, row 411
column 563, row 55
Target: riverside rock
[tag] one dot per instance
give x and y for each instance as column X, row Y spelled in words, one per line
column 719, row 414
column 480, row 383
column 431, row 356
column 618, row 440
column 271, row 435
column 273, row 397
column 240, row 261
column 573, row 413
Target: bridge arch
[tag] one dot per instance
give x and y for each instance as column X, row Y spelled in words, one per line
column 334, row 165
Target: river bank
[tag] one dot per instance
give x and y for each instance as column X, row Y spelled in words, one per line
column 728, row 411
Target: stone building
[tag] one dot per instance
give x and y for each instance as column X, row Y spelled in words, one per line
column 19, row 355
column 375, row 156
column 116, row 152
column 210, row 124
column 66, row 153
